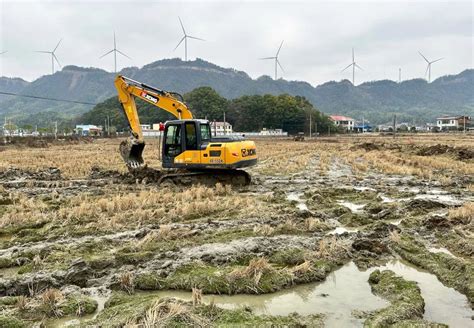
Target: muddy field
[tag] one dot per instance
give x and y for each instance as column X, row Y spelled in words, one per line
column 337, row 232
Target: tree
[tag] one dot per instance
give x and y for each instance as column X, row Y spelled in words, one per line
column 206, row 102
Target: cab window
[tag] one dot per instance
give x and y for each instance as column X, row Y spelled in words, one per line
column 173, row 141
column 191, row 137
column 205, row 133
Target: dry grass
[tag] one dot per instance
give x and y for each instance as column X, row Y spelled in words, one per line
column 167, row 313
column 264, row 230
column 197, row 296
column 395, row 236
column 127, row 282
column 331, row 247
column 21, row 303
column 301, row 269
column 464, row 214
column 51, row 299
column 256, row 268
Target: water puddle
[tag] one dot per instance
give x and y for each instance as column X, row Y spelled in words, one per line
column 341, row 230
column 441, row 250
column 360, row 188
column 386, row 199
column 445, row 199
column 296, row 197
column 442, row 304
column 355, row 208
column 343, row 291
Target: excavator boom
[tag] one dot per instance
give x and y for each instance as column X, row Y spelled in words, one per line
column 127, row 89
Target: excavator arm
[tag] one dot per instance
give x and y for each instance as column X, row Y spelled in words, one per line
column 128, row 89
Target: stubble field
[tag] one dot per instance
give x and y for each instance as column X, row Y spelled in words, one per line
column 369, row 231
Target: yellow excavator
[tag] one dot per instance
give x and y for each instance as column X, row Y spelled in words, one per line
column 189, row 150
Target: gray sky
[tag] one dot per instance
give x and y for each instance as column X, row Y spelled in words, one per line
column 318, row 36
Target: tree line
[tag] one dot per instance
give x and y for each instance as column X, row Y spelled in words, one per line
column 292, row 114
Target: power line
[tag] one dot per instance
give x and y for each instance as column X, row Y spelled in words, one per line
column 46, row 98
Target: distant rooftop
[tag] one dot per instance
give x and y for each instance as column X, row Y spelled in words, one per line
column 340, row 118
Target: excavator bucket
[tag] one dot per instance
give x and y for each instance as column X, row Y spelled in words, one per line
column 131, row 150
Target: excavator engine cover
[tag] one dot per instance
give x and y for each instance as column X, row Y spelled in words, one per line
column 131, row 150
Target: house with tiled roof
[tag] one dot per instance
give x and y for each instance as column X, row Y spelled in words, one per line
column 344, row 122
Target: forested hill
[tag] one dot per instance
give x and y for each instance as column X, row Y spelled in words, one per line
column 413, row 100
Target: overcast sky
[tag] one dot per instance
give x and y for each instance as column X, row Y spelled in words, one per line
column 318, row 36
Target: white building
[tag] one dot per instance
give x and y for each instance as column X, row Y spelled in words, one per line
column 88, row 130
column 452, row 122
column 221, row 128
column 343, row 121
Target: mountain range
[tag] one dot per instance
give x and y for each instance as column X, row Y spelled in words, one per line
column 412, row 100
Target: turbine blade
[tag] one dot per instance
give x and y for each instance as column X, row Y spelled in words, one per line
column 358, row 67
column 193, row 37
column 107, row 53
column 57, row 60
column 427, row 68
column 57, row 45
column 281, row 44
column 4, row 52
column 267, row 58
column 278, row 62
column 123, row 54
column 115, row 43
column 353, row 58
column 434, row 61
column 181, row 41
column 424, row 57
column 347, row 67
column 180, row 22
column 44, row 52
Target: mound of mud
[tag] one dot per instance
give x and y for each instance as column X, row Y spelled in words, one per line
column 52, row 173
column 460, row 153
column 367, row 146
column 424, row 204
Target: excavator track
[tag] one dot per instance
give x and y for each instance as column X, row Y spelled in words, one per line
column 188, row 178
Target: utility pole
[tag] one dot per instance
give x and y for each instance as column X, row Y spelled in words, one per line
column 56, row 130
column 316, row 128
column 399, row 75
column 464, row 121
column 394, row 125
column 224, row 125
column 329, row 130
column 310, row 125
column 363, row 124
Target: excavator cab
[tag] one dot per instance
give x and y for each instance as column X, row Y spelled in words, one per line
column 180, row 136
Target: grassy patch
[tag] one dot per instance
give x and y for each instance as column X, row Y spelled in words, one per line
column 404, row 296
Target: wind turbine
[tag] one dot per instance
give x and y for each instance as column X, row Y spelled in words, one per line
column 185, row 39
column 115, row 50
column 428, row 68
column 354, row 65
column 277, row 62
column 53, row 56
column 3, row 52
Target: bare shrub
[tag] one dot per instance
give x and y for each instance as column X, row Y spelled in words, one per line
column 51, row 298
column 127, row 282
column 197, row 296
